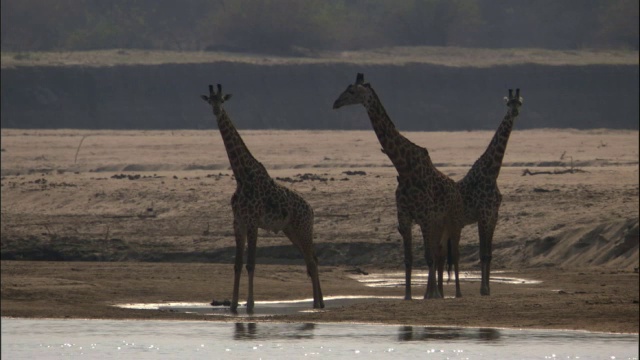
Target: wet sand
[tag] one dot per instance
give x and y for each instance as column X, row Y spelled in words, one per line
column 581, row 300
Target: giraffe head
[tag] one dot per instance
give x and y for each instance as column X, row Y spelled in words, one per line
column 514, row 102
column 216, row 98
column 356, row 93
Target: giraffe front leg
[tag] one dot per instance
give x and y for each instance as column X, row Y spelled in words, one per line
column 405, row 221
column 237, row 268
column 485, row 230
column 404, row 228
column 252, row 240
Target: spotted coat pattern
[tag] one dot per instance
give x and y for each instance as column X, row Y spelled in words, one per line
column 479, row 188
column 260, row 202
column 424, row 195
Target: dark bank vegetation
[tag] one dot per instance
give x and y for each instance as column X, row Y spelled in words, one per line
column 295, row 27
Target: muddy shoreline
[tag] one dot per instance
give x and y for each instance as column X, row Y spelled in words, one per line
column 564, row 299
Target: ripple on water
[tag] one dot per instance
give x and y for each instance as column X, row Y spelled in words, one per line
column 46, row 338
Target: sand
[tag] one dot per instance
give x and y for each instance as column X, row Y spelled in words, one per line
column 144, row 216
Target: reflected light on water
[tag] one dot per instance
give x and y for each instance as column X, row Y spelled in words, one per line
column 419, row 278
column 284, row 307
column 262, row 308
column 52, row 339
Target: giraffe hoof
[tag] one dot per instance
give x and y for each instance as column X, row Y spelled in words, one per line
column 225, row 302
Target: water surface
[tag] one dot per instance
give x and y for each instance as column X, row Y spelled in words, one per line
column 52, row 339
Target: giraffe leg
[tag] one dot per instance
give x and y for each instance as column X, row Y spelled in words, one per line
column 441, row 262
column 237, row 268
column 432, row 285
column 305, row 245
column 455, row 258
column 405, row 221
column 404, row 227
column 312, row 270
column 432, row 256
column 485, row 230
column 444, row 248
column 252, row 240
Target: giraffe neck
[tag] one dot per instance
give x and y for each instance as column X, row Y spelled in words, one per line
column 404, row 154
column 491, row 160
column 245, row 167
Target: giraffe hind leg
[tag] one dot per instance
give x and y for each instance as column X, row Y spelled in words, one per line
column 304, row 243
column 434, row 258
column 442, row 259
column 454, row 256
column 312, row 270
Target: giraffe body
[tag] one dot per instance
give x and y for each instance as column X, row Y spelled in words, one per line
column 260, row 202
column 424, row 195
column 479, row 188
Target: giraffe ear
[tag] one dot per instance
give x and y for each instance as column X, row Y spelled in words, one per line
column 227, row 97
column 205, row 98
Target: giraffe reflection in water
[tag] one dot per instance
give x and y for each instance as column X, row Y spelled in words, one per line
column 414, row 333
column 249, row 331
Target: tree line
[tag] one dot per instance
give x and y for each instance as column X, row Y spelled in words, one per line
column 294, row 27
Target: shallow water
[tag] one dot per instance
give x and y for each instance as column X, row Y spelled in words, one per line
column 419, row 278
column 285, row 307
column 50, row 339
column 262, row 308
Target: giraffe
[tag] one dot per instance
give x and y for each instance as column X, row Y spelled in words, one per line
column 260, row 202
column 479, row 188
column 424, row 195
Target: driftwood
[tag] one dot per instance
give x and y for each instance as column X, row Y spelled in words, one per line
column 345, row 216
column 554, row 172
column 75, row 160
